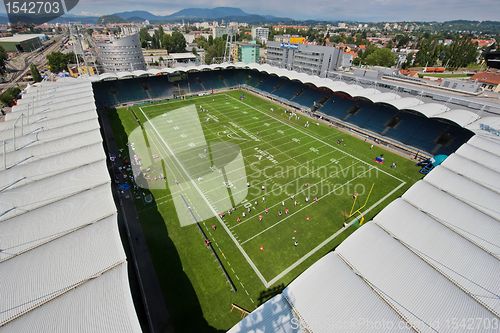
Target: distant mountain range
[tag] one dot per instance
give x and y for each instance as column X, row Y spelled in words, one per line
column 218, row 13
column 236, row 14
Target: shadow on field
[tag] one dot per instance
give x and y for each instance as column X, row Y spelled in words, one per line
column 267, row 294
column 178, row 293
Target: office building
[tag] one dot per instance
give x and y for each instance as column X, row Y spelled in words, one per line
column 311, row 59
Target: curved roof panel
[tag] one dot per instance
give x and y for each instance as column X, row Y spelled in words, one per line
column 480, row 156
column 475, row 171
column 489, row 126
column 108, row 76
column 61, row 249
column 430, row 256
column 432, row 241
column 139, row 73
column 460, row 117
column 430, row 109
column 377, row 98
column 154, row 71
column 405, row 103
column 472, row 224
column 476, row 195
column 125, row 75
column 323, row 305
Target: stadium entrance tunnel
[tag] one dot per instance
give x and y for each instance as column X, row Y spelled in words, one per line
column 171, row 152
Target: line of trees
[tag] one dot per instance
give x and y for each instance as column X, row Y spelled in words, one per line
column 460, row 53
column 214, row 47
column 59, row 61
column 375, row 56
column 173, row 43
column 3, row 60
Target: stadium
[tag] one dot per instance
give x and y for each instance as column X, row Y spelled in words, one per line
column 248, row 198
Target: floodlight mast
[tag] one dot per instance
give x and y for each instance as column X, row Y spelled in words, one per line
column 227, row 50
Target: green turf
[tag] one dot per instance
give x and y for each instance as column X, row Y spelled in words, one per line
column 445, row 75
column 310, row 162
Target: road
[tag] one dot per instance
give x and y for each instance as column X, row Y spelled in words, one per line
column 39, row 58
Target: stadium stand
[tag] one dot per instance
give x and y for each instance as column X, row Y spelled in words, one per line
column 406, row 120
column 428, row 262
column 62, row 263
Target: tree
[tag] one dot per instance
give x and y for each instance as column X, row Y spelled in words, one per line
column 460, row 53
column 215, row 50
column 145, row 37
column 9, row 95
column 402, row 40
column 174, row 43
column 3, row 59
column 158, row 37
column 381, row 57
column 59, row 61
column 370, row 48
column 428, row 52
column 35, row 73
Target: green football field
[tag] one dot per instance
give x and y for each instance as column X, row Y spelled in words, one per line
column 300, row 189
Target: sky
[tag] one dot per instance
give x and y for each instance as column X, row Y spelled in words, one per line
column 363, row 10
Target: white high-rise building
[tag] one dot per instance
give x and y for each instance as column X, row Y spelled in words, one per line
column 260, row 34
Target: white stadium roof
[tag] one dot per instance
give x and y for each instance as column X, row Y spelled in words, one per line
column 463, row 118
column 427, row 262
column 428, row 259
column 62, row 263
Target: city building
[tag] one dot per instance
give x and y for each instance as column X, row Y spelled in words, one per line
column 153, row 56
column 246, row 52
column 191, row 36
column 283, row 28
column 292, row 39
column 119, row 54
column 219, row 31
column 489, row 80
column 21, row 43
column 311, row 59
column 181, row 59
column 260, row 34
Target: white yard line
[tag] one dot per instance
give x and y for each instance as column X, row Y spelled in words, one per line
column 158, row 201
column 200, row 192
column 266, row 283
column 303, row 190
column 272, row 146
column 227, row 261
column 329, row 239
column 285, row 152
column 306, row 206
column 312, row 136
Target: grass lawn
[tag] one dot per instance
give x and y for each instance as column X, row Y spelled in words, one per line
column 313, row 173
column 445, row 75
